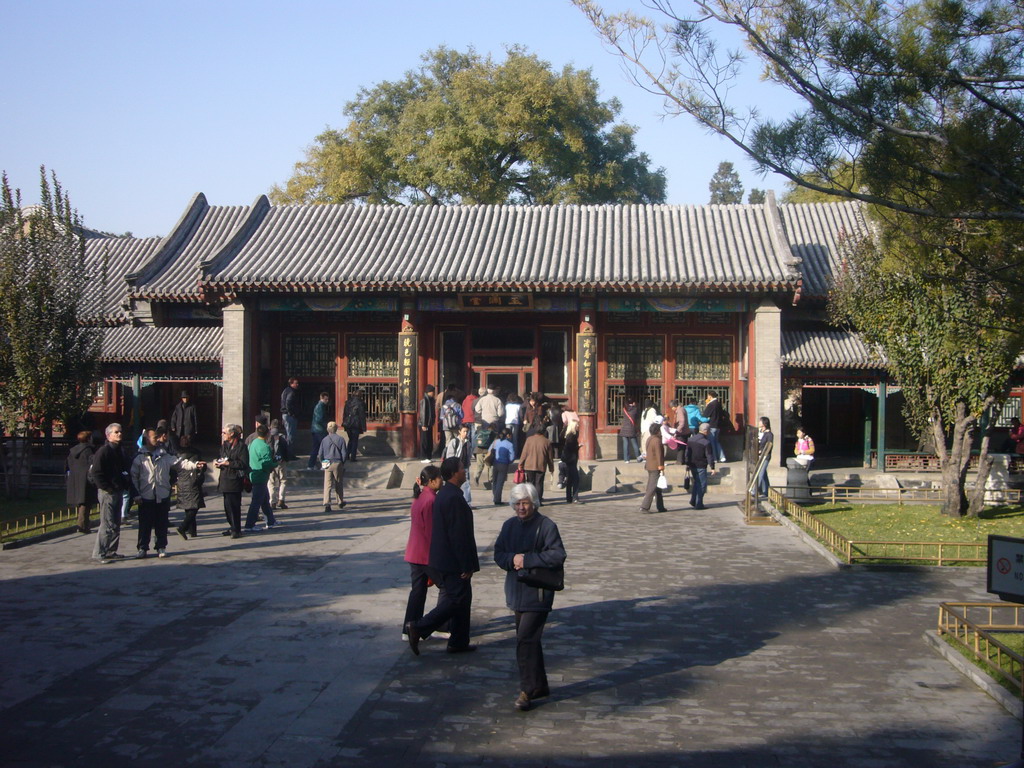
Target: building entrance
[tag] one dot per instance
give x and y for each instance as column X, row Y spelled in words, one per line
column 504, row 381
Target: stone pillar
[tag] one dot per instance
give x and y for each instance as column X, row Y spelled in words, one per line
column 586, row 381
column 767, row 369
column 237, row 365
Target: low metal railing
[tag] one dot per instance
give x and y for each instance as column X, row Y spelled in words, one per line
column 43, row 522
column 837, row 493
column 851, row 552
column 970, row 627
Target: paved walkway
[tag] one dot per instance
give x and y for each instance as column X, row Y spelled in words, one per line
column 683, row 639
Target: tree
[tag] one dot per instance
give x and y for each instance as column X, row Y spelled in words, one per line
column 725, row 186
column 913, row 107
column 756, row 196
column 466, row 129
column 48, row 357
column 944, row 341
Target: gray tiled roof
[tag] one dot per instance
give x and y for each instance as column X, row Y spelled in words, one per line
column 174, row 271
column 815, row 232
column 117, row 256
column 619, row 247
column 149, row 344
column 827, row 349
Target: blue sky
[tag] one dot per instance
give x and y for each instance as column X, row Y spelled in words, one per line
column 139, row 105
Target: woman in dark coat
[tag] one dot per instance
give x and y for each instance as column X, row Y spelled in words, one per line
column 191, row 497
column 528, row 540
column 81, row 493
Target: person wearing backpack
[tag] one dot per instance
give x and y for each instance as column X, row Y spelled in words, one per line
column 281, row 452
column 451, row 418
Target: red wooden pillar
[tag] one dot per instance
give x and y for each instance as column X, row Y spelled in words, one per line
column 586, row 381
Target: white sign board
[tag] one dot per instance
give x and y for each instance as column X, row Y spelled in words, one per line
column 1006, row 568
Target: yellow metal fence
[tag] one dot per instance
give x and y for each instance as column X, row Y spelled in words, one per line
column 40, row 523
column 970, row 627
column 851, row 552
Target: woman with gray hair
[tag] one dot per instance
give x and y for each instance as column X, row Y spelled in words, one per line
column 233, row 464
column 528, row 540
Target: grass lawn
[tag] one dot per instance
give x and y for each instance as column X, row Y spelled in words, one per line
column 890, row 522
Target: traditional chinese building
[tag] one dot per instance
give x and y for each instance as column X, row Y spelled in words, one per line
column 587, row 304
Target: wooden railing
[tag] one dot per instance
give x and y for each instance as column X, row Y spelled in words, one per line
column 970, row 626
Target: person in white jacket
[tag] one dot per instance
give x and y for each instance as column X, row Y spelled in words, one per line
column 151, row 478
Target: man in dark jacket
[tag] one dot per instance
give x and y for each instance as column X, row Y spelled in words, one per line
column 354, row 422
column 290, row 410
column 453, row 561
column 700, row 457
column 427, row 415
column 109, row 473
column 715, row 415
column 184, row 423
column 234, row 468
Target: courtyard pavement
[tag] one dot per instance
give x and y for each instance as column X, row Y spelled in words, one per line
column 682, row 639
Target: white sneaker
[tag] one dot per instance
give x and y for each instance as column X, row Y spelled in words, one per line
column 161, row 553
column 405, row 638
column 442, row 635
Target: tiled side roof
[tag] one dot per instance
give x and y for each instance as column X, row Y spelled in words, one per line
column 149, row 344
column 174, row 271
column 827, row 349
column 815, row 232
column 619, row 247
column 118, row 257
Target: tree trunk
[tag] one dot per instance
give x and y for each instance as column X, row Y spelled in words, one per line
column 953, row 461
column 977, row 501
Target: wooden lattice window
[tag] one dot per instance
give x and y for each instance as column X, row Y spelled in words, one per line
column 373, row 356
column 632, row 358
column 703, row 359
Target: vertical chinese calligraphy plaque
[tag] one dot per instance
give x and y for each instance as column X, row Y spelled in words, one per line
column 586, row 372
column 408, row 363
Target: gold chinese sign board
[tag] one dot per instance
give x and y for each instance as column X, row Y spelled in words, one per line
column 408, row 394
column 495, row 301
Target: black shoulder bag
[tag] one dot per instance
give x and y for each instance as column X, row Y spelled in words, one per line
column 541, row 576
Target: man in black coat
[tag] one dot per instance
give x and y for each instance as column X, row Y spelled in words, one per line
column 109, row 473
column 184, row 424
column 234, row 468
column 290, row 411
column 700, row 456
column 453, row 561
column 354, row 421
column 426, row 416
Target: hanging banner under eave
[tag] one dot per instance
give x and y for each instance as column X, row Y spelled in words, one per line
column 670, row 304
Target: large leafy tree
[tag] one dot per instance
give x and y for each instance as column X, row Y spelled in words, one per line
column 725, row 185
column 945, row 341
column 48, row 357
column 913, row 107
column 465, row 129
